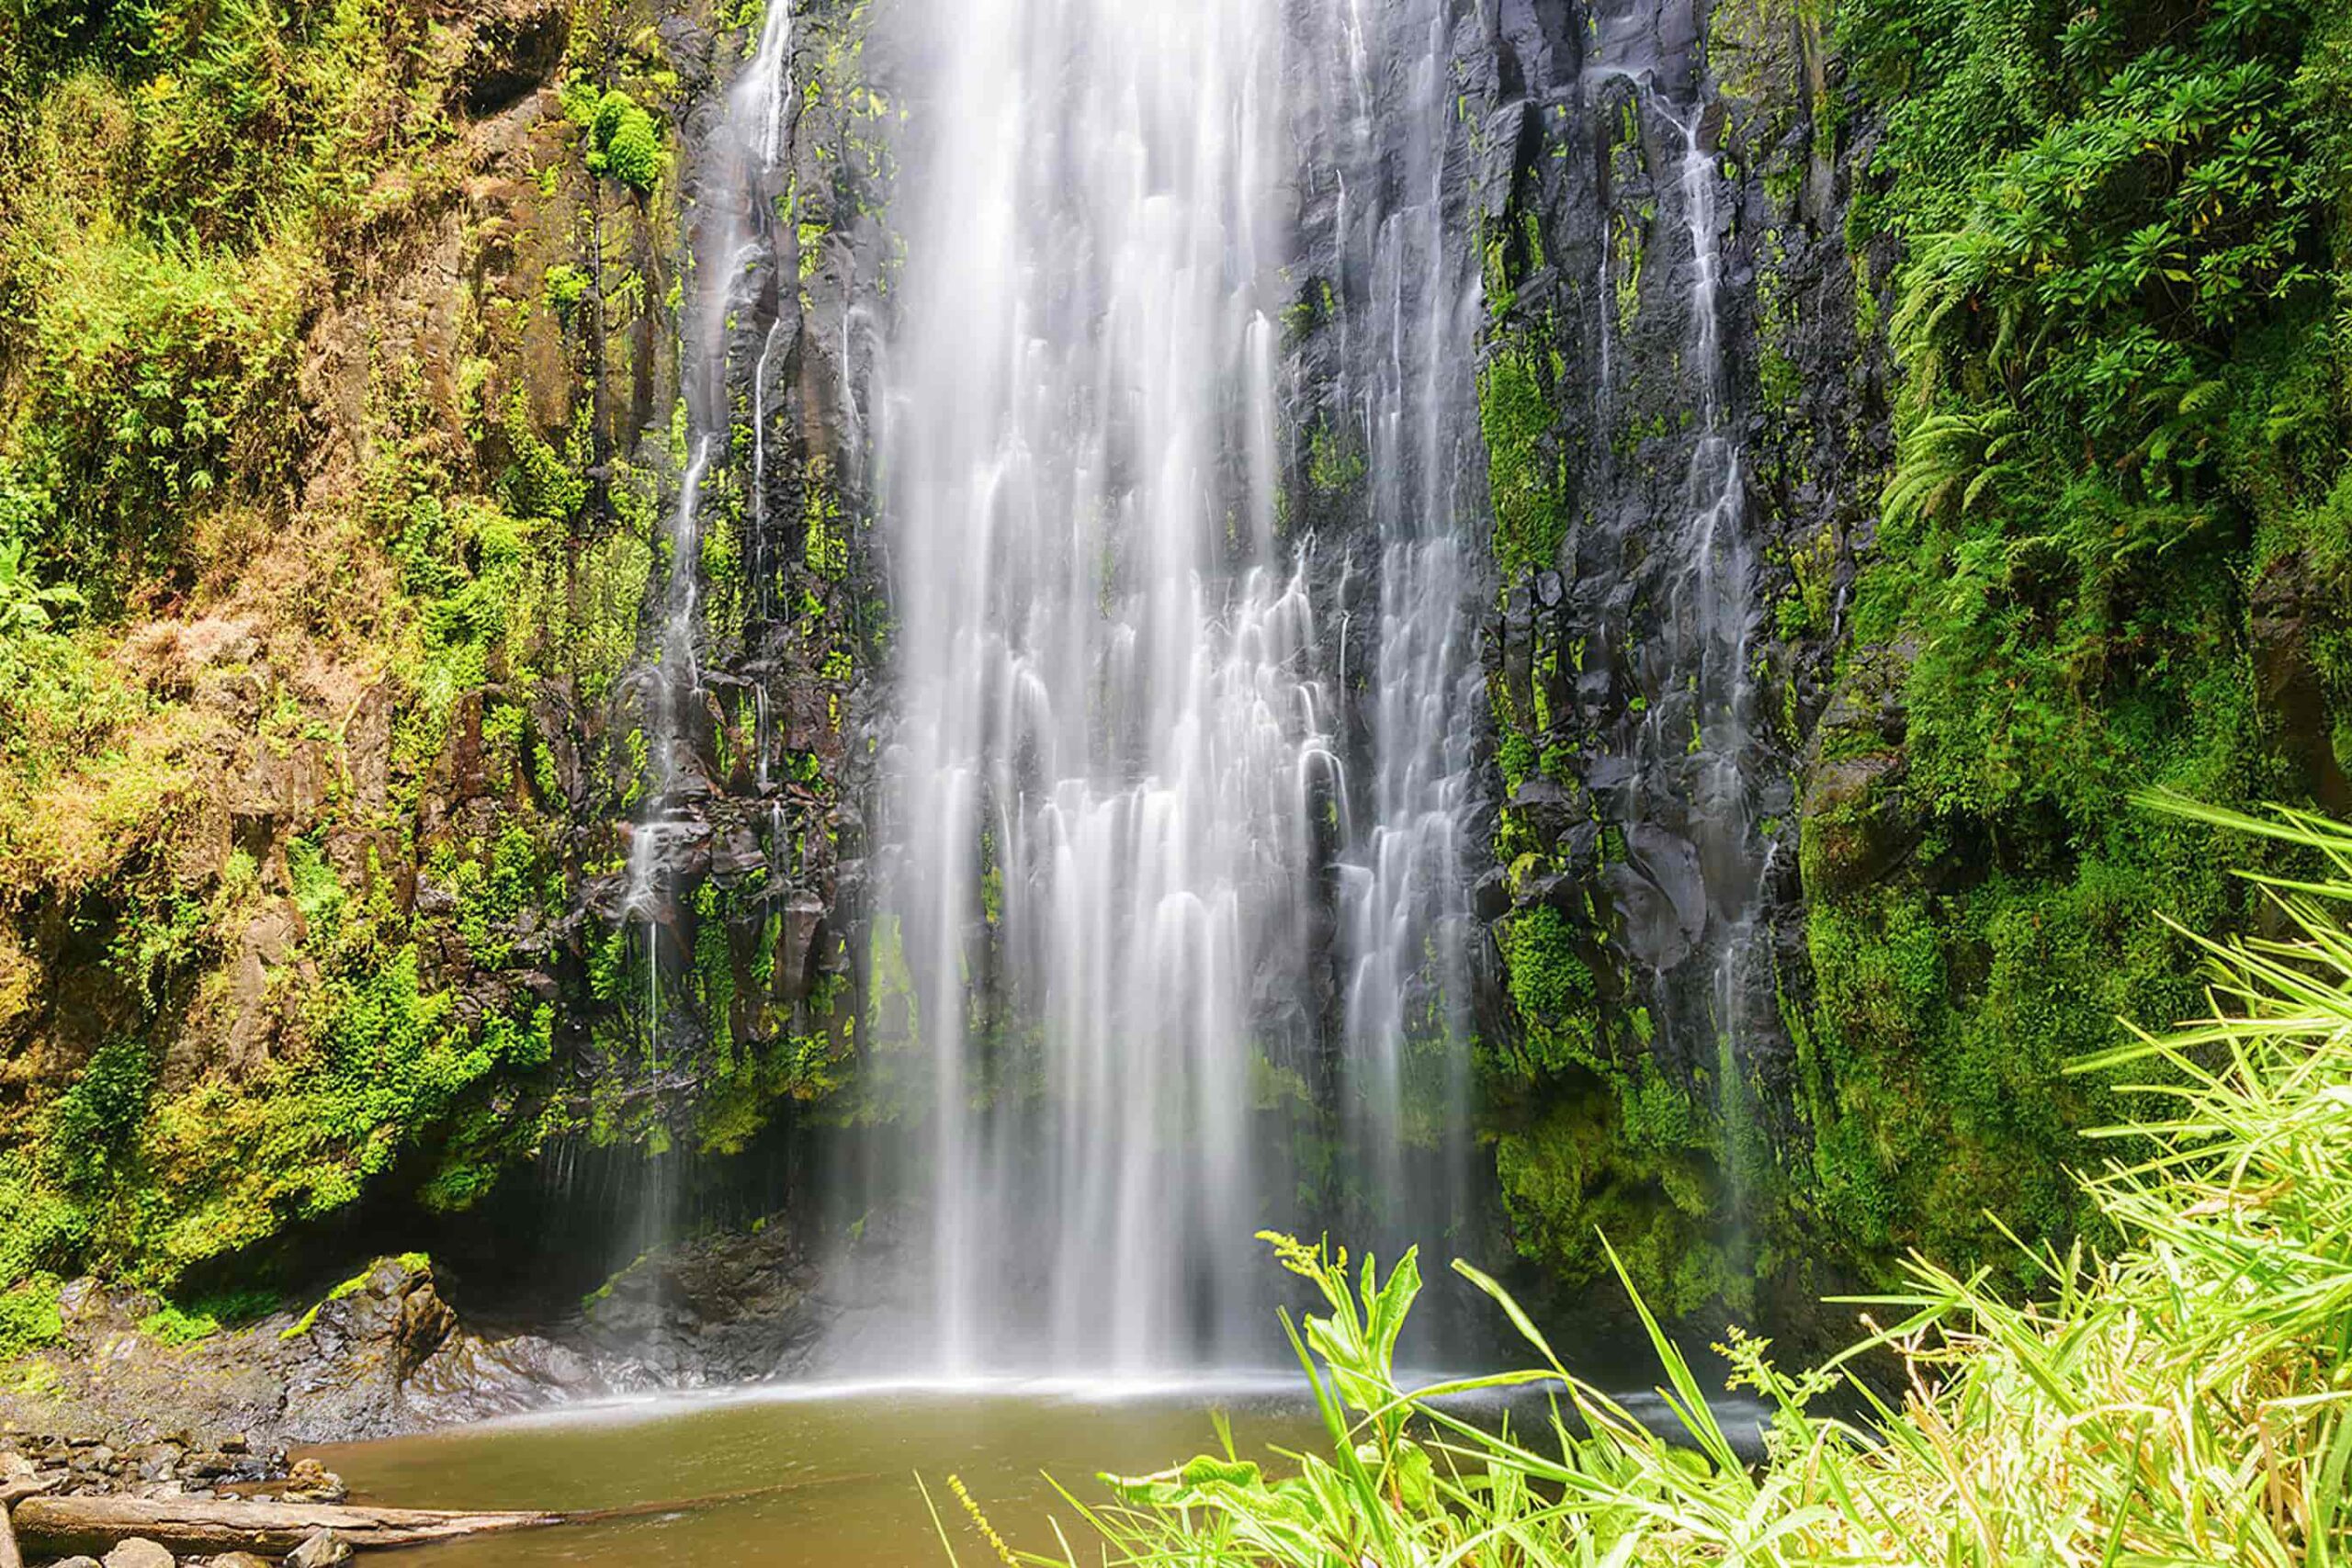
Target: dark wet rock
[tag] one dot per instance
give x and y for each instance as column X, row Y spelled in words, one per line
column 1547, row 808
column 2290, row 615
column 1857, row 822
column 1858, row 825
column 470, row 1379
column 722, row 1309
column 1490, row 894
column 513, row 52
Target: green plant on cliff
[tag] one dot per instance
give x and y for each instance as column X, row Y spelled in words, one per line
column 2108, row 558
column 267, row 583
column 29, row 1316
column 623, row 143
column 2184, row 1398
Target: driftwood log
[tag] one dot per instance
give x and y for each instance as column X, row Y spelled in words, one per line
column 195, row 1527
column 11, row 1494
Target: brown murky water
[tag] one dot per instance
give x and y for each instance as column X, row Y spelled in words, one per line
column 816, row 1474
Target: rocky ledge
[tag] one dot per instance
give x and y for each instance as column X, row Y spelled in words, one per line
column 384, row 1353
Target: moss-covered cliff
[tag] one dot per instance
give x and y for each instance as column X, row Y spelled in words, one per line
column 331, row 457
column 2037, row 346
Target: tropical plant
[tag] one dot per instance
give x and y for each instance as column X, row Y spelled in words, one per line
column 2183, row 1401
column 28, row 606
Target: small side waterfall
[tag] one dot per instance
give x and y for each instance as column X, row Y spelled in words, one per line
column 1405, row 382
column 726, row 234
column 1694, row 886
column 1715, row 611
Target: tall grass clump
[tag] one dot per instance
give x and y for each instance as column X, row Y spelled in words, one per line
column 2181, row 1399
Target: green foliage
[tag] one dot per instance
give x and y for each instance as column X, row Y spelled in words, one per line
column 1334, row 466
column 1552, row 987
column 29, row 608
column 178, row 179
column 1525, row 470
column 1581, row 1170
column 92, row 1125
column 160, row 380
column 624, row 143
column 179, row 186
column 561, row 289
column 540, row 482
column 2181, row 1401
column 2114, row 321
column 170, row 1325
column 29, row 1316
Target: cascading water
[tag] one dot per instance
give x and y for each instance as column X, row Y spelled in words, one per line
column 1111, row 730
column 1126, row 852
column 1406, row 383
column 726, row 237
column 1692, row 823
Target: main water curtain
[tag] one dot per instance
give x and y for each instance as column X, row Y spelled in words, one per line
column 1118, row 822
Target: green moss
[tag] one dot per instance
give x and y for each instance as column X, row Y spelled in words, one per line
column 1334, row 465
column 170, row 1325
column 623, row 143
column 1525, row 473
column 1573, row 1176
column 29, row 1318
column 561, row 288
column 1547, row 979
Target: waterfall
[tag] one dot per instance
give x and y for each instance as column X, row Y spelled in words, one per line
column 1145, row 861
column 726, row 235
column 1110, row 716
column 1699, row 867
column 1405, row 380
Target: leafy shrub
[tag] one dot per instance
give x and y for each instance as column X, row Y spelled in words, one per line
column 624, row 143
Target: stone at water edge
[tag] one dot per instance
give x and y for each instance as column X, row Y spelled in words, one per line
column 141, row 1552
column 310, row 1482
column 324, row 1549
column 79, row 1563
column 238, row 1560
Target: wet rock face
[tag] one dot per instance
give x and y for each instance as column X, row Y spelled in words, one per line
column 738, row 885
column 714, row 1310
column 1632, row 663
column 1683, row 397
